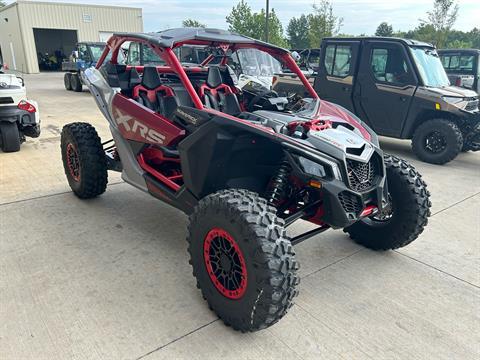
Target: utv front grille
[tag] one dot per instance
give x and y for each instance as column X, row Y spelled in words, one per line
column 361, row 176
column 6, row 100
column 351, row 203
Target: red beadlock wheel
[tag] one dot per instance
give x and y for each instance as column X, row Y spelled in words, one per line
column 73, row 162
column 225, row 263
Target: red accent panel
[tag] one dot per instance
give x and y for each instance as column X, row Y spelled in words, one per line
column 368, row 211
column 327, row 109
column 136, row 122
column 215, row 277
column 317, row 218
column 143, row 164
column 157, row 155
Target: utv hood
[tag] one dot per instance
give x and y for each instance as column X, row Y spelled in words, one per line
column 453, row 91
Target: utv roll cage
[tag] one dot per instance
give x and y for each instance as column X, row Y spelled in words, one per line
column 164, row 42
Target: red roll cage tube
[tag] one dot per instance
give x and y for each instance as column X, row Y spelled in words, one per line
column 174, row 65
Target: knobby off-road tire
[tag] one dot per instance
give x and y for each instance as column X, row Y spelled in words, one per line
column 442, row 129
column 410, row 210
column 84, row 160
column 10, row 137
column 76, row 83
column 243, row 226
column 67, row 81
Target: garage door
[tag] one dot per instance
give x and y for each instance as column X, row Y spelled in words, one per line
column 53, row 45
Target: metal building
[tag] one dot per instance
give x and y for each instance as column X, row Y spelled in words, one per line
column 31, row 30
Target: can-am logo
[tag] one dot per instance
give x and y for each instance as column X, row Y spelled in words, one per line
column 138, row 128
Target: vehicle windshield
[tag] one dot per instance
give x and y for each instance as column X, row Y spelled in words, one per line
column 97, row 51
column 430, row 67
column 254, row 62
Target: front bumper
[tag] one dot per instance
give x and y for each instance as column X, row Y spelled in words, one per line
column 343, row 204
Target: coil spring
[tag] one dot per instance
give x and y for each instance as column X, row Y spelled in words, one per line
column 278, row 186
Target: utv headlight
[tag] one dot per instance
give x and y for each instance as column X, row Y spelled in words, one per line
column 459, row 102
column 313, row 168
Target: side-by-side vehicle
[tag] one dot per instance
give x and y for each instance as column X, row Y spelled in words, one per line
column 19, row 116
column 182, row 134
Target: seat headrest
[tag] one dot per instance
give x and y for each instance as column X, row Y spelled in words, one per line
column 150, row 79
column 214, row 77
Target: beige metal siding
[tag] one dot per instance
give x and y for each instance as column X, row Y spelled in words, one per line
column 71, row 17
column 10, row 34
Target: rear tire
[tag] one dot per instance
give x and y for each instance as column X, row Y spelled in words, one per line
column 10, row 136
column 84, row 160
column 437, row 141
column 243, row 261
column 410, row 210
column 76, row 83
column 67, row 81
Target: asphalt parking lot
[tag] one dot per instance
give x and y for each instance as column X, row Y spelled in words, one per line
column 109, row 278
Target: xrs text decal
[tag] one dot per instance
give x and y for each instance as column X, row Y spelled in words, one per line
column 133, row 125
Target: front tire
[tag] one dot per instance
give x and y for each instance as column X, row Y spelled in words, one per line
column 10, row 137
column 76, row 83
column 410, row 209
column 437, row 141
column 84, row 160
column 67, row 81
column 243, row 261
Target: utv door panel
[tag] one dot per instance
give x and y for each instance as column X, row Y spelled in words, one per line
column 386, row 87
column 335, row 78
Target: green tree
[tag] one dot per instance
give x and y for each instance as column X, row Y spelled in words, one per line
column 192, row 23
column 474, row 37
column 322, row 22
column 246, row 22
column 441, row 18
column 2, row 4
column 384, row 29
column 241, row 20
column 297, row 32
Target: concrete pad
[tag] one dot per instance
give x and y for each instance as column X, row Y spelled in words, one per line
column 449, row 183
column 215, row 341
column 451, row 242
column 392, row 307
column 107, row 278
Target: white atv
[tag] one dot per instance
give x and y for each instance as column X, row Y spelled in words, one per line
column 19, row 117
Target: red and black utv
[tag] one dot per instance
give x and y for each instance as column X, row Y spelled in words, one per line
column 184, row 135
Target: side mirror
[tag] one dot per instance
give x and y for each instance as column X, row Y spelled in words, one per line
column 296, row 56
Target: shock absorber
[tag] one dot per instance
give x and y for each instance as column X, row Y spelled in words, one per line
column 278, row 186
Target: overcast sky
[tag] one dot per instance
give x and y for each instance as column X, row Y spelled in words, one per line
column 362, row 16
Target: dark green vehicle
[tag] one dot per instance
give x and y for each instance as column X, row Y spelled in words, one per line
column 400, row 89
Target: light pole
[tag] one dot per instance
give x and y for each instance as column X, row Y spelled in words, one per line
column 266, row 20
